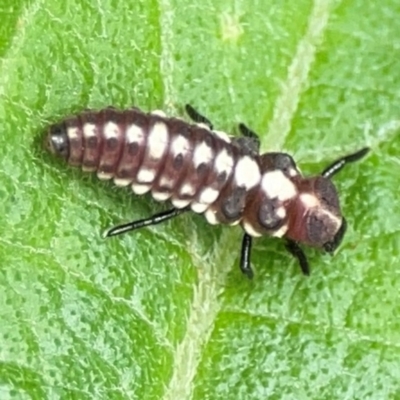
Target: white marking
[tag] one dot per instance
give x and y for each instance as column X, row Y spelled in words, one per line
column 211, row 217
column 247, row 173
column 202, row 154
column 72, row 133
column 187, row 189
column 161, row 196
column 198, row 208
column 89, row 130
column 235, row 222
column 134, row 134
column 122, row 181
column 222, row 135
column 179, row 203
column 208, row 196
column 180, row 145
column 309, row 200
column 157, row 141
column 281, row 231
column 166, row 182
column 337, row 220
column 202, row 125
column 104, row 176
column 281, row 212
column 160, row 113
column 332, row 217
column 293, row 172
column 111, row 130
column 276, row 185
column 250, row 230
column 223, row 163
column 146, row 175
column 140, row 188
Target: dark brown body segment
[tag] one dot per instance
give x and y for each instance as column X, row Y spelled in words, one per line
column 186, row 163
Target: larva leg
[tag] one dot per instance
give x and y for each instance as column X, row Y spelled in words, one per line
column 153, row 220
column 245, row 253
column 195, row 116
column 296, row 251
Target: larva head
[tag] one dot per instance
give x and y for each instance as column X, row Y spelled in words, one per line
column 57, row 141
column 314, row 215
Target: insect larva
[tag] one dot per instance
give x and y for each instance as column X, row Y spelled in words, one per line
column 206, row 171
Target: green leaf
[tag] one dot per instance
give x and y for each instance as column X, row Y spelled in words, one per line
column 165, row 313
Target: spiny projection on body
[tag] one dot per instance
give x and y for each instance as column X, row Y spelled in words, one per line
column 203, row 170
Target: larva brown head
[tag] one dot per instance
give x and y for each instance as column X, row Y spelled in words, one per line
column 57, row 141
column 314, row 216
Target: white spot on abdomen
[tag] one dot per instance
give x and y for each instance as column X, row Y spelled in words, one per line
column 247, row 173
column 277, row 186
column 89, row 130
column 122, row 181
column 179, row 203
column 187, row 190
column 160, row 196
column 281, row 212
column 111, row 130
column 208, row 195
column 250, row 230
column 180, row 145
column 222, row 135
column 104, row 176
column 159, row 113
column 198, row 208
column 309, row 200
column 202, row 154
column 134, row 134
column 146, row 175
column 281, row 231
column 202, row 125
column 223, row 163
column 157, row 141
column 140, row 188
column 211, row 217
column 72, row 133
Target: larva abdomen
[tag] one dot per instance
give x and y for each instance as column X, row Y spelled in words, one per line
column 186, row 163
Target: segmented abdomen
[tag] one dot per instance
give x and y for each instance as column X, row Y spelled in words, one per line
column 186, row 163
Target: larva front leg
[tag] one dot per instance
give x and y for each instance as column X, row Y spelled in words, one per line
column 141, row 223
column 245, row 256
column 295, row 250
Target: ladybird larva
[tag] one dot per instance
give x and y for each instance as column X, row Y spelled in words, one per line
column 208, row 172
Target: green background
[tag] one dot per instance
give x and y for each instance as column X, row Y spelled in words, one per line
column 165, row 313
